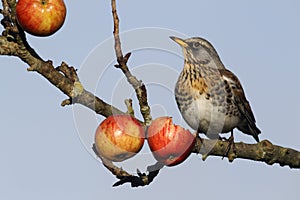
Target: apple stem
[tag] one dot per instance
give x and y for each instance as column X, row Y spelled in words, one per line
column 44, row 2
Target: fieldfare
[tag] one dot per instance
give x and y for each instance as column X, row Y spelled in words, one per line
column 209, row 96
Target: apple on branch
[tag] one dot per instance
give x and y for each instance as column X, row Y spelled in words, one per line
column 119, row 137
column 169, row 143
column 41, row 17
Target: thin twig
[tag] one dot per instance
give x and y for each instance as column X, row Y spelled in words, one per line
column 116, row 32
column 139, row 87
column 141, row 179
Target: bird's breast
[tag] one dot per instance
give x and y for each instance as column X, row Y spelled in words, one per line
column 209, row 111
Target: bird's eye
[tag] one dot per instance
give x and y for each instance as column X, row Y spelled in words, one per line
column 196, row 44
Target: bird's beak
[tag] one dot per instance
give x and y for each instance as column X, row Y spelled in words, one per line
column 179, row 41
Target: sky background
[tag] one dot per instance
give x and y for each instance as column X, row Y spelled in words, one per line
column 45, row 149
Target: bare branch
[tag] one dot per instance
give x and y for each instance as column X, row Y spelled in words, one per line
column 141, row 180
column 116, row 32
column 139, row 87
column 13, row 42
column 130, row 110
column 7, row 48
column 263, row 151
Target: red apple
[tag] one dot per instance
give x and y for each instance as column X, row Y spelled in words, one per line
column 41, row 17
column 169, row 143
column 119, row 137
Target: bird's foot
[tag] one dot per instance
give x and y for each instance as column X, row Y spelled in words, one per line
column 230, row 146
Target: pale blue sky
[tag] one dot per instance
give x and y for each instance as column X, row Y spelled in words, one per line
column 44, row 150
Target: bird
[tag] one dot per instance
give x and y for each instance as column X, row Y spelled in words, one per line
column 210, row 97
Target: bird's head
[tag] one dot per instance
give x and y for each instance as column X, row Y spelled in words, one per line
column 197, row 50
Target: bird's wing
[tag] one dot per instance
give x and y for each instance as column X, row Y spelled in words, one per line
column 239, row 97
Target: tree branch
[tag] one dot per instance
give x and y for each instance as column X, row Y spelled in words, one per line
column 141, row 179
column 13, row 43
column 263, row 151
column 139, row 87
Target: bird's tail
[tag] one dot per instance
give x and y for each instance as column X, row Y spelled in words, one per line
column 251, row 129
column 254, row 132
